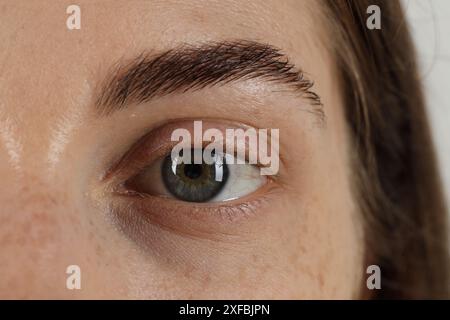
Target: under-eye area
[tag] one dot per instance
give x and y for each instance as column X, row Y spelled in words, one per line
column 153, row 190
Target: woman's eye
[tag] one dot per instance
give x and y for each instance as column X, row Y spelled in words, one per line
column 203, row 182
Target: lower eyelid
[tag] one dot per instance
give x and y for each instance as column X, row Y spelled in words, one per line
column 221, row 212
column 151, row 221
column 213, row 225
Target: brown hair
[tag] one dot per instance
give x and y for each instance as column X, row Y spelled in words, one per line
column 396, row 177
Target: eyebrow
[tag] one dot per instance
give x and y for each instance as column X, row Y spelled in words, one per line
column 194, row 67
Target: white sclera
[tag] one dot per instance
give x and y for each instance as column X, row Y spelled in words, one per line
column 243, row 179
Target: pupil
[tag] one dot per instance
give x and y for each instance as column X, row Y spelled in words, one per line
column 193, row 171
column 193, row 182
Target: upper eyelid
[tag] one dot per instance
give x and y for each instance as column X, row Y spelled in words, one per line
column 141, row 161
column 146, row 149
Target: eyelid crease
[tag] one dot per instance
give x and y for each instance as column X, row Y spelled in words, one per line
column 156, row 144
column 144, row 158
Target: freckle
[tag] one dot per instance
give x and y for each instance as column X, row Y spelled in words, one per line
column 26, row 227
column 321, row 281
column 98, row 250
column 188, row 272
column 5, row 239
column 199, row 17
column 206, row 281
column 72, row 219
column 40, row 217
column 20, row 241
column 242, row 273
column 266, row 268
column 190, row 296
column 43, row 237
column 293, row 258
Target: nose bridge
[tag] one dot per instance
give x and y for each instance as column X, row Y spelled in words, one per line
column 38, row 85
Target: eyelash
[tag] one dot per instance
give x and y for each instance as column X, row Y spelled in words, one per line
column 143, row 218
column 140, row 164
column 230, row 210
column 142, row 153
column 146, row 219
column 141, row 209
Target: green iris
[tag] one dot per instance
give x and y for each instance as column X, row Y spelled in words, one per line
column 194, row 182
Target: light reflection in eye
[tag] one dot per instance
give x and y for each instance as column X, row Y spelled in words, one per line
column 198, row 182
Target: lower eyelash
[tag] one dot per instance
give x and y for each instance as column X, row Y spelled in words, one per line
column 152, row 222
column 157, row 208
column 223, row 210
column 192, row 223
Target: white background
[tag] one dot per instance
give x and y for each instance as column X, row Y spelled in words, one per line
column 430, row 25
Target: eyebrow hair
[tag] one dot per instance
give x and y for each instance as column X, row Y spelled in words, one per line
column 195, row 67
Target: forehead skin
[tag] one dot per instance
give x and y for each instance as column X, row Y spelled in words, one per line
column 48, row 78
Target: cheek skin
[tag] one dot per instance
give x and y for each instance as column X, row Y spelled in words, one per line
column 43, row 232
